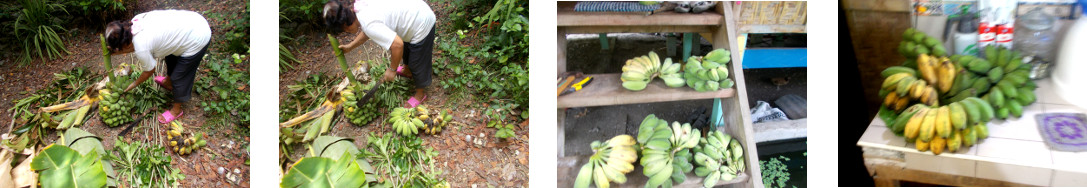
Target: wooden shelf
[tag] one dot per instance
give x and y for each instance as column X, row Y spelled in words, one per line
column 637, row 22
column 758, row 28
column 607, row 89
column 569, row 166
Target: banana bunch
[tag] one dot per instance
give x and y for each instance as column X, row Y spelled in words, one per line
column 902, row 85
column 709, row 73
column 180, row 144
column 408, row 121
column 435, row 125
column 113, row 108
column 670, row 74
column 1012, row 88
column 666, row 150
column 639, row 71
column 953, row 126
column 356, row 116
column 915, row 43
column 719, row 157
column 611, row 161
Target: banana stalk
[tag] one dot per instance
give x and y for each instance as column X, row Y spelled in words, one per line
column 106, row 57
column 341, row 59
column 325, row 107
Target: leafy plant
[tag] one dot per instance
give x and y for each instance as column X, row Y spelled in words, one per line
column 305, row 95
column 300, row 10
column 403, row 161
column 495, row 69
column 60, row 166
column 226, row 89
column 144, row 165
column 36, row 28
column 28, row 127
column 237, row 30
column 286, row 58
column 98, row 11
column 332, row 162
column 774, row 172
column 504, row 131
column 74, row 160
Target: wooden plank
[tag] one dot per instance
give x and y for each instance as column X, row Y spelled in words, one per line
column 569, row 166
column 758, row 28
column 570, row 18
column 877, row 5
column 892, row 173
column 562, row 132
column 736, row 110
column 607, row 89
column 637, row 29
column 561, row 51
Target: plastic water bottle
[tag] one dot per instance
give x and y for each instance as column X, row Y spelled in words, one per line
column 1036, row 36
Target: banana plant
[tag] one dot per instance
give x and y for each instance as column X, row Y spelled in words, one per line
column 75, row 160
column 331, row 162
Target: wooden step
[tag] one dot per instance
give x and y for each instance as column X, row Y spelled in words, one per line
column 569, row 167
column 607, row 89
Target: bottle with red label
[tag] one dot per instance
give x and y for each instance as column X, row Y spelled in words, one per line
column 1004, row 32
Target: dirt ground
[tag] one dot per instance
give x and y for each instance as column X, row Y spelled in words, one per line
column 463, row 163
column 227, row 146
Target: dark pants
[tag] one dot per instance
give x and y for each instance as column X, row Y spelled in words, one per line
column 419, row 58
column 182, row 71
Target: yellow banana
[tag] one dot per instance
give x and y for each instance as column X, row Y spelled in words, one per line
column 946, row 76
column 928, row 126
column 938, row 145
column 922, row 145
column 890, row 100
column 901, row 103
column 943, row 122
column 917, row 88
column 927, row 68
column 892, row 80
column 914, row 124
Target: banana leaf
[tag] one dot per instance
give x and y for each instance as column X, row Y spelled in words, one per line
column 325, row 172
column 331, row 147
column 60, row 166
column 85, row 142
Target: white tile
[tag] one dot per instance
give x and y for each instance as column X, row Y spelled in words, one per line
column 1019, row 151
column 1063, row 108
column 940, row 164
column 1070, row 160
column 1046, row 94
column 922, row 161
column 1069, row 179
column 882, row 135
column 877, row 122
column 1014, row 173
column 1023, row 128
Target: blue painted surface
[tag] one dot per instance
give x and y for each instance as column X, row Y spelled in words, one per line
column 775, row 58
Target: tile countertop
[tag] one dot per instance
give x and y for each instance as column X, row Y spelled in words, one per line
column 1014, row 151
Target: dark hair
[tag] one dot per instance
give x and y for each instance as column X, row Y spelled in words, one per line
column 118, row 34
column 337, row 16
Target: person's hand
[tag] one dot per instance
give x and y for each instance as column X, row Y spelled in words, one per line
column 345, row 48
column 129, row 88
column 389, row 75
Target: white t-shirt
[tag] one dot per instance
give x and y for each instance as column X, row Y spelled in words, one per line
column 383, row 20
column 160, row 33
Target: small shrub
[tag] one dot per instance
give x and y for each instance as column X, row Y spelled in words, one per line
column 37, row 27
